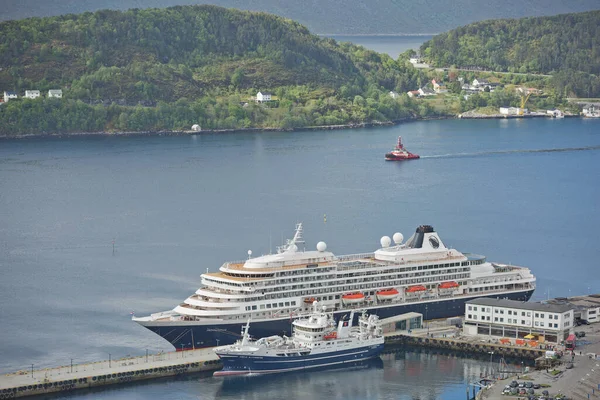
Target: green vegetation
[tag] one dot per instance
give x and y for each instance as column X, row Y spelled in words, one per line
column 566, row 46
column 150, row 70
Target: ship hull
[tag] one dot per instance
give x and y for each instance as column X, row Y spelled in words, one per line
column 190, row 335
column 244, row 364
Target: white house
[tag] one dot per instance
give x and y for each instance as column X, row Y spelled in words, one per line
column 9, row 95
column 394, row 95
column 196, row 128
column 426, row 92
column 262, row 97
column 480, row 82
column 518, row 319
column 32, row 94
column 413, row 93
column 415, row 60
column 55, row 93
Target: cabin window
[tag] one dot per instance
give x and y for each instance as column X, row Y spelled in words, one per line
column 268, row 306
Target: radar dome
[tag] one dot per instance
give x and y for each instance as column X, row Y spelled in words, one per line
column 249, row 252
column 294, row 248
column 321, row 246
column 398, row 238
column 386, row 241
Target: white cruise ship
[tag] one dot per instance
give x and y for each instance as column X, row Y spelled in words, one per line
column 420, row 275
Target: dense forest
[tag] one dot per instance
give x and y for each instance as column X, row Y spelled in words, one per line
column 333, row 16
column 566, row 46
column 171, row 68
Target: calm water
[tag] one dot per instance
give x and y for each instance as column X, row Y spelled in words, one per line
column 520, row 191
column 392, row 45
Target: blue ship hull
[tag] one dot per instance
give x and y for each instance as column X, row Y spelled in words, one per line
column 185, row 337
column 255, row 364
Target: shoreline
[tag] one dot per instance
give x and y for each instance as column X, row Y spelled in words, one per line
column 216, row 131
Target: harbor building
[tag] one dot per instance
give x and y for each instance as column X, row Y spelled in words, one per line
column 402, row 322
column 586, row 308
column 518, row 320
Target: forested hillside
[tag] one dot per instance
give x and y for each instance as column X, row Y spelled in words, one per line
column 170, row 68
column 334, row 16
column 566, row 46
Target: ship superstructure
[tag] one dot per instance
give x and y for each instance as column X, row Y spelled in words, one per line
column 420, row 275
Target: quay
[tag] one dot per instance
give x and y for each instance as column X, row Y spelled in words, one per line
column 109, row 372
column 68, row 378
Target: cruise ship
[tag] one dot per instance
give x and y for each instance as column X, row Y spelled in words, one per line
column 420, row 275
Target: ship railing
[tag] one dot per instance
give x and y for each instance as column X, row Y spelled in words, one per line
column 350, row 257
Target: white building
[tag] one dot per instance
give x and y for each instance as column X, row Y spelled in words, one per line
column 513, row 111
column 518, row 320
column 586, row 307
column 262, row 97
column 32, row 94
column 55, row 93
column 394, row 95
column 9, row 95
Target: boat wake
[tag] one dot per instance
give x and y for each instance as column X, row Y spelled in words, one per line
column 522, row 151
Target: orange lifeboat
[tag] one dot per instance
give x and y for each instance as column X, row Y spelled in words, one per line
column 448, row 285
column 353, row 298
column 330, row 335
column 416, row 289
column 387, row 294
column 309, row 300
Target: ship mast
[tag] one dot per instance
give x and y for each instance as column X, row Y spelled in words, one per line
column 291, row 245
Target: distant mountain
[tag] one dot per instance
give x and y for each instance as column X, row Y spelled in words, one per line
column 334, row 16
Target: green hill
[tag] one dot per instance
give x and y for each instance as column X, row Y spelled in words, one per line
column 169, row 68
column 566, row 46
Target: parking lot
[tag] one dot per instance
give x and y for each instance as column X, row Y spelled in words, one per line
column 574, row 380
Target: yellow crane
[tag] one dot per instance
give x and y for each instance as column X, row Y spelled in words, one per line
column 524, row 98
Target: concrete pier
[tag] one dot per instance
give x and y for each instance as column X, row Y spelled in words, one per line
column 131, row 369
column 67, row 378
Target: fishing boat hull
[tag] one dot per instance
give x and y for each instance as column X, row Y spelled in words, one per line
column 245, row 364
column 401, row 157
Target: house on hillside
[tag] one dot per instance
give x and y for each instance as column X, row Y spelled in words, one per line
column 469, row 89
column 55, row 93
column 261, row 97
column 424, row 91
column 480, row 82
column 513, row 111
column 439, row 86
column 394, row 95
column 524, row 90
column 32, row 94
column 413, row 93
column 10, row 95
column 415, row 60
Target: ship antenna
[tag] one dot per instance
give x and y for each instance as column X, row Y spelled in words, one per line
column 291, row 244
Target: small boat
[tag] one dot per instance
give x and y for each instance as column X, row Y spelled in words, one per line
column 400, row 153
column 416, row 289
column 309, row 300
column 448, row 285
column 387, row 294
column 353, row 298
column 314, row 343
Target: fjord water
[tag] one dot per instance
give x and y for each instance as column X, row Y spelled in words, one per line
column 519, row 191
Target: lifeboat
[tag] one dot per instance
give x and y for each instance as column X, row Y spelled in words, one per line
column 448, row 285
column 330, row 335
column 309, row 300
column 387, row 294
column 353, row 298
column 416, row 289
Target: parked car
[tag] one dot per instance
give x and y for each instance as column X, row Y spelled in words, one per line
column 545, row 393
column 530, row 391
column 569, row 365
column 514, row 384
column 521, row 384
column 528, row 385
column 536, row 386
column 522, row 391
column 580, row 334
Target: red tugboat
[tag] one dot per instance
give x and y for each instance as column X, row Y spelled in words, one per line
column 400, row 153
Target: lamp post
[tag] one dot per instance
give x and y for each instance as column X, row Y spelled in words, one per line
column 31, row 371
column 109, row 366
column 146, row 355
column 217, row 342
column 491, row 368
column 71, row 365
column 181, row 350
column 426, row 321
